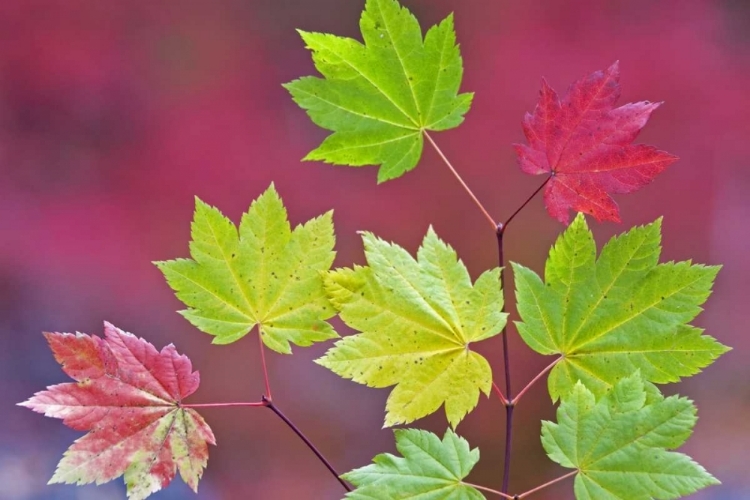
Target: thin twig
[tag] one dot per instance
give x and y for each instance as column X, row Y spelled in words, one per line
column 506, row 361
column 508, row 435
column 309, row 444
column 263, row 362
column 500, row 394
column 500, row 232
column 534, row 380
column 505, row 224
column 461, row 181
column 489, row 490
column 548, row 483
column 221, row 405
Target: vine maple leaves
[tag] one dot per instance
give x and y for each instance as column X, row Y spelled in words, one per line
column 584, row 143
column 619, row 321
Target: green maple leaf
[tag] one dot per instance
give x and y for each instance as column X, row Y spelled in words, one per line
column 430, row 469
column 418, row 318
column 610, row 316
column 267, row 275
column 619, row 443
column 379, row 98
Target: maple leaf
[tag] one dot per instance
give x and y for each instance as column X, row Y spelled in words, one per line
column 619, row 443
column 610, row 316
column 418, row 319
column 267, row 275
column 379, row 97
column 430, row 469
column 128, row 397
column 584, row 144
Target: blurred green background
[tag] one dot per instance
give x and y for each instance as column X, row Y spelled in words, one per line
column 114, row 115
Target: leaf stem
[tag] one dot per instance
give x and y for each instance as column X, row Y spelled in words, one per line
column 548, row 483
column 309, row 444
column 263, row 362
column 221, row 405
column 523, row 205
column 461, row 181
column 489, row 490
column 534, row 380
column 500, row 394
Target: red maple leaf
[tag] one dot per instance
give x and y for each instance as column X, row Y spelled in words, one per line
column 128, row 397
column 584, row 144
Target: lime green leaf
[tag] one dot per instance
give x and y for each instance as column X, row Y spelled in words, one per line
column 619, row 443
column 612, row 316
column 430, row 469
column 379, row 97
column 418, row 318
column 267, row 275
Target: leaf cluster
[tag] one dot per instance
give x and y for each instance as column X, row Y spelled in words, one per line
column 618, row 322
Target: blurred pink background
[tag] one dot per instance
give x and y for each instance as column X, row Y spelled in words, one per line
column 114, row 115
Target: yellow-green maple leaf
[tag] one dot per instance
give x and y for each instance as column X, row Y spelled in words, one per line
column 418, row 319
column 379, row 97
column 265, row 275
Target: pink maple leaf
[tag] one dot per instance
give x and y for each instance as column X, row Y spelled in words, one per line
column 128, row 397
column 584, row 144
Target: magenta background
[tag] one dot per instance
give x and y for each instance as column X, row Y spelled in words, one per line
column 113, row 115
